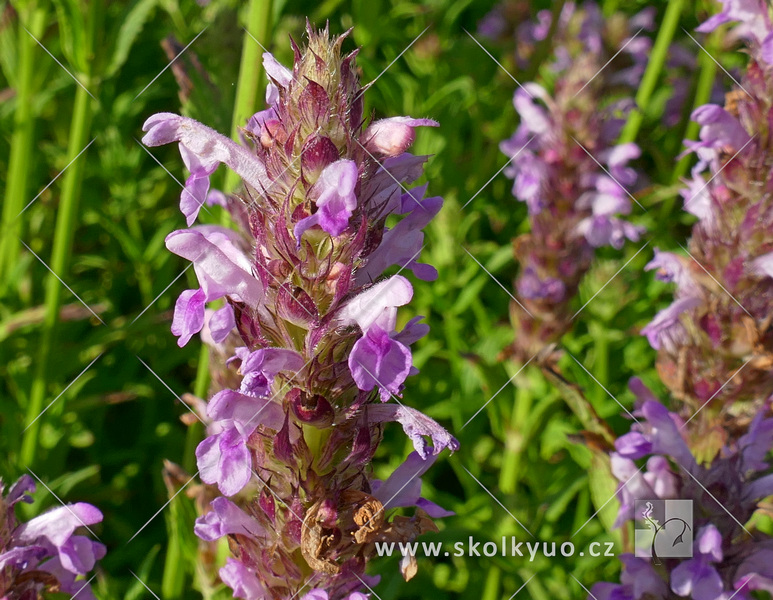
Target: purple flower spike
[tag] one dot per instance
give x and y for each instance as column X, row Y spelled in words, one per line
column 304, row 340
column 566, row 167
column 713, row 449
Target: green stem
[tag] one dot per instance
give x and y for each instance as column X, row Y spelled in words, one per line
column 259, row 25
column 174, row 578
column 706, row 79
column 654, row 67
column 517, row 433
column 491, row 586
column 66, row 223
column 601, row 354
column 20, row 160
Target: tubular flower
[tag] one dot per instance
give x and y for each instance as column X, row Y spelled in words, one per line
column 566, row 167
column 44, row 554
column 714, row 341
column 310, row 357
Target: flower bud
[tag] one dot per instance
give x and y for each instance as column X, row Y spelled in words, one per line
column 393, row 136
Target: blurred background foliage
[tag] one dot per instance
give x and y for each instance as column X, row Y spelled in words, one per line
column 108, row 428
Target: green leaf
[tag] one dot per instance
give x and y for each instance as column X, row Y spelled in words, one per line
column 131, row 26
column 136, row 588
column 603, row 487
column 70, row 18
column 580, row 406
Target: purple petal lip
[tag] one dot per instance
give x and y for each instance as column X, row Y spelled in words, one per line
column 335, row 199
column 209, row 146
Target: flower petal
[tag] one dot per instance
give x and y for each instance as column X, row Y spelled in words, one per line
column 335, row 199
column 221, row 323
column 188, row 315
column 377, row 359
column 365, row 308
column 241, row 580
column 222, row 269
column 225, row 460
column 207, row 145
column 58, row 525
column 416, row 425
column 247, row 412
column 226, row 518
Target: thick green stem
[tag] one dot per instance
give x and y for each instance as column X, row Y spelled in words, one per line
column 22, row 142
column 518, row 434
column 491, row 589
column 259, row 25
column 655, row 64
column 66, row 223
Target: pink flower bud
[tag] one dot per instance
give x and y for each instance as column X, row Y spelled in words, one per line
column 392, row 136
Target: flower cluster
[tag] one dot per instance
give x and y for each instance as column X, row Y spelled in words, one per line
column 727, row 560
column 714, row 352
column 566, row 166
column 714, row 340
column 44, row 555
column 308, row 324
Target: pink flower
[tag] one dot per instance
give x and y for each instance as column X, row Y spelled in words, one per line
column 393, row 136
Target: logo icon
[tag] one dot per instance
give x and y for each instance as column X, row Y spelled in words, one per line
column 663, row 529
